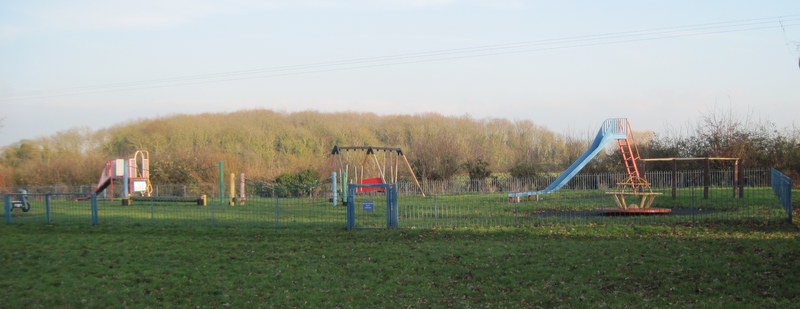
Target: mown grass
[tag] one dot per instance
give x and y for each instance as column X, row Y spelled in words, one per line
column 605, row 265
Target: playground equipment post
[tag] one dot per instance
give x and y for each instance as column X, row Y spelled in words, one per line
column 221, row 183
column 126, row 178
column 232, row 197
column 333, row 188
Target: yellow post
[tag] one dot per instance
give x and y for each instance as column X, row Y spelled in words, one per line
column 233, row 190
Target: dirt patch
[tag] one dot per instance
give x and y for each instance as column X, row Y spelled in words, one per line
column 593, row 213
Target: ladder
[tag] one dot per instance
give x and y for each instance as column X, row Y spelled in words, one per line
column 630, row 152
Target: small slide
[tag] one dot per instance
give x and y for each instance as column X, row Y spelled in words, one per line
column 102, row 184
column 613, row 129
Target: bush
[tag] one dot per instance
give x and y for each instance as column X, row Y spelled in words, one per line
column 478, row 170
column 302, row 183
column 523, row 169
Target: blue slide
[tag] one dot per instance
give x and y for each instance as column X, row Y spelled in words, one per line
column 612, row 129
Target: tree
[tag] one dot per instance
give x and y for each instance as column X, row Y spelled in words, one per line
column 723, row 134
column 265, row 145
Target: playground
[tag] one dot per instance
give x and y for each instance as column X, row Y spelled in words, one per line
column 366, row 238
column 436, row 210
column 365, row 191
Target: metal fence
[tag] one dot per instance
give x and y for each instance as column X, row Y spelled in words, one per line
column 782, row 185
column 457, row 203
column 51, row 208
column 459, row 185
column 593, row 181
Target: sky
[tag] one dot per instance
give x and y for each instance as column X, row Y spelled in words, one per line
column 565, row 65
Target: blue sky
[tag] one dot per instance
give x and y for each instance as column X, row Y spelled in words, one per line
column 566, row 65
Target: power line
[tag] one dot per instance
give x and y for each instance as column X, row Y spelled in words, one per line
column 796, row 51
column 780, row 22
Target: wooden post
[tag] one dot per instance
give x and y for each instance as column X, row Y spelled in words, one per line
column 360, row 178
column 232, row 199
column 240, row 199
column 735, row 178
column 396, row 169
column 380, row 170
column 706, row 178
column 112, row 174
column 674, row 179
column 412, row 175
column 740, row 178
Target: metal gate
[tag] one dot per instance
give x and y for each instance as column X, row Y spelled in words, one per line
column 376, row 208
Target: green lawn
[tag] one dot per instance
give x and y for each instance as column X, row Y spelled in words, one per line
column 593, row 265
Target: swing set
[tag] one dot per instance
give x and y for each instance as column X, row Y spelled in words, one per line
column 386, row 168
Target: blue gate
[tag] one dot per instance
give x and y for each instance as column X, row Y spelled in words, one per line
column 782, row 185
column 369, row 210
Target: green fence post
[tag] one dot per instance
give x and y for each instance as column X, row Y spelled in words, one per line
column 694, row 206
column 221, row 182
column 94, row 209
column 277, row 209
column 351, row 208
column 395, row 205
column 391, row 206
column 8, row 208
column 788, row 197
column 436, row 208
column 47, row 208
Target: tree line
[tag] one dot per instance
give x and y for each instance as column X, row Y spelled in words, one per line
column 268, row 146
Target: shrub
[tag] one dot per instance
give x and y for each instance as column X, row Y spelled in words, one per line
column 302, row 183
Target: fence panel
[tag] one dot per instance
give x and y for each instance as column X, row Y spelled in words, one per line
column 782, row 186
column 459, row 203
column 585, row 207
column 51, row 208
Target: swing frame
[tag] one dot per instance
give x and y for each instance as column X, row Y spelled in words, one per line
column 370, row 151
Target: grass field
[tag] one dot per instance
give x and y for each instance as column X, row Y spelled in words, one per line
column 589, row 265
column 452, row 251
